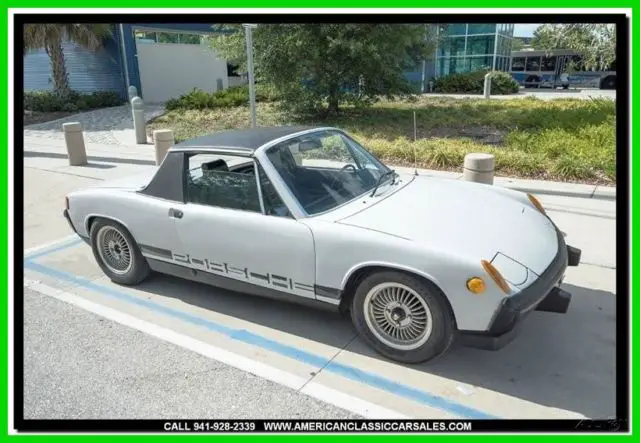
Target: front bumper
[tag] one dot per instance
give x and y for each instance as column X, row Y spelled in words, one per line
column 543, row 295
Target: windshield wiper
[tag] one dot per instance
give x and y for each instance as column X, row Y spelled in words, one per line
column 381, row 179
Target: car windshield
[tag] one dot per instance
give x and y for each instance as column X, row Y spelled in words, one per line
column 326, row 169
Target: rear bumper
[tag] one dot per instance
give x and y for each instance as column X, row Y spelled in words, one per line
column 68, row 218
column 543, row 295
column 73, row 228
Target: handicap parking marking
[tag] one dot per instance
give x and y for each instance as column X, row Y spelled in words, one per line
column 292, row 381
column 344, row 371
column 332, row 364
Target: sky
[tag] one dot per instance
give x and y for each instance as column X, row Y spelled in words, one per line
column 524, row 29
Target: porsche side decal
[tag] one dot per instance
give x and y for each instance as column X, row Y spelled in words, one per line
column 224, row 268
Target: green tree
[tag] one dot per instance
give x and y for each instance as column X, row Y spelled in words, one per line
column 517, row 44
column 313, row 64
column 50, row 36
column 596, row 43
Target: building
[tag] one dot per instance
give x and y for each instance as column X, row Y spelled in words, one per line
column 161, row 60
column 465, row 47
column 164, row 61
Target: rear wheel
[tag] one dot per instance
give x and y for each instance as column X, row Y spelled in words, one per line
column 117, row 253
column 402, row 317
column 609, row 83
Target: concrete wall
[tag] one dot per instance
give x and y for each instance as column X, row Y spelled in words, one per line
column 169, row 70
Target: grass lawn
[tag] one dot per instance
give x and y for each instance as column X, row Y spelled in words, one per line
column 565, row 139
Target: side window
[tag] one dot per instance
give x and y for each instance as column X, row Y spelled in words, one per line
column 210, row 182
column 273, row 204
column 517, row 64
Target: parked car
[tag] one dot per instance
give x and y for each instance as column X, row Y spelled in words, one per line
column 308, row 214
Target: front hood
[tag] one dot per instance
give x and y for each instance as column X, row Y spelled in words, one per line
column 133, row 182
column 475, row 220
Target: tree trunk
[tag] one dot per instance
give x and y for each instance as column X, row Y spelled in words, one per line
column 333, row 107
column 60, row 77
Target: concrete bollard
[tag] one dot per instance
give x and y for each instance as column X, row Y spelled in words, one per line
column 479, row 168
column 487, row 85
column 133, row 92
column 137, row 109
column 162, row 140
column 74, row 140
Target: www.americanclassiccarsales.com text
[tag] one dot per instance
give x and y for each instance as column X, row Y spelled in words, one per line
column 279, row 426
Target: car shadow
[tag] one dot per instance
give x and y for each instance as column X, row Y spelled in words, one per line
column 560, row 361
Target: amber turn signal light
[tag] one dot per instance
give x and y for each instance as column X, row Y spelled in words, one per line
column 496, row 276
column 476, row 285
column 535, row 202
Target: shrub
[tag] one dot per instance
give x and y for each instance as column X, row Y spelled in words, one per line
column 227, row 98
column 49, row 101
column 473, row 83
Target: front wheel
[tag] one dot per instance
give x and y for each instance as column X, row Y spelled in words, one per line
column 117, row 253
column 402, row 317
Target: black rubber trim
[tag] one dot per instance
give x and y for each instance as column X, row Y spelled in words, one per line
column 66, row 215
column 158, row 252
column 574, row 255
column 514, row 309
column 325, row 291
column 557, row 301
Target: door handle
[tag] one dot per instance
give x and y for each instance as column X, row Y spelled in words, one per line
column 175, row 213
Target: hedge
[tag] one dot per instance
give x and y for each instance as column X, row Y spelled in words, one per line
column 49, row 101
column 473, row 83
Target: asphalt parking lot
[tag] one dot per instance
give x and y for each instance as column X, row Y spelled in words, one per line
column 171, row 348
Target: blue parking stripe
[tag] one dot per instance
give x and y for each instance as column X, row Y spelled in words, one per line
column 302, row 356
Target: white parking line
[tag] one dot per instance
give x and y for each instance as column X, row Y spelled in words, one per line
column 50, row 244
column 311, row 389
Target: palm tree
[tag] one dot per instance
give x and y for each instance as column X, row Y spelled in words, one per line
column 50, row 36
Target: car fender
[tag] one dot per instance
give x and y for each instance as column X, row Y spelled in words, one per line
column 343, row 249
column 390, row 265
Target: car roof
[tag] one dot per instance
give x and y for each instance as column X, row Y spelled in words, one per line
column 241, row 140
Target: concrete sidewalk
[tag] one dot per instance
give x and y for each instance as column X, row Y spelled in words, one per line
column 50, row 154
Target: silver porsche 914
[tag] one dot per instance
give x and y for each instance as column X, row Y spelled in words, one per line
column 308, row 214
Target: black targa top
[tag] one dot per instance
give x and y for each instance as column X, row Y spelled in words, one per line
column 241, row 139
column 167, row 183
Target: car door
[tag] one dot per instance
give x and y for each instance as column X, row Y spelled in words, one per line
column 223, row 230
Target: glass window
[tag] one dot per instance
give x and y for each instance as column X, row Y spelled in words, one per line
column 273, row 204
column 193, row 39
column 576, row 63
column 326, row 169
column 480, row 45
column 533, row 64
column 549, row 63
column 167, row 37
column 480, row 63
column 456, row 29
column 517, row 64
column 452, row 46
column 482, row 28
column 209, row 182
column 145, row 37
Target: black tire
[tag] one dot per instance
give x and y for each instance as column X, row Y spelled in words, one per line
column 565, row 86
column 609, row 83
column 139, row 269
column 443, row 323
